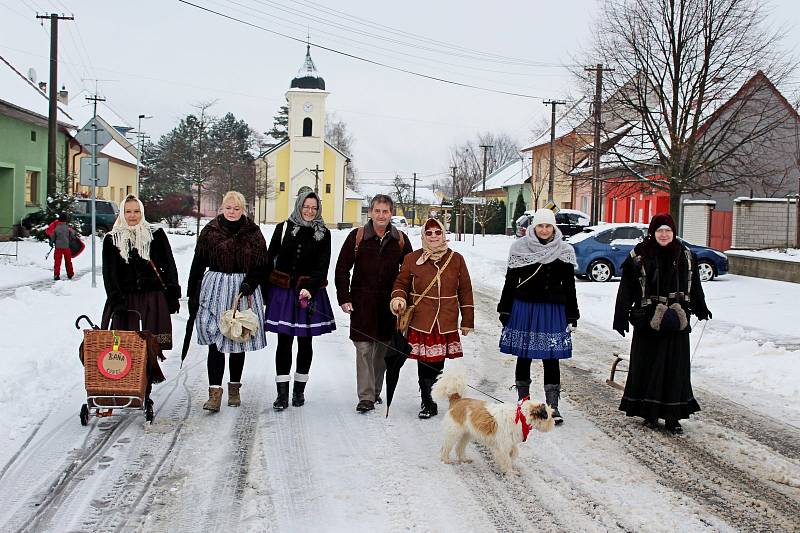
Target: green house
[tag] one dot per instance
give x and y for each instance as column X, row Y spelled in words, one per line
column 23, row 146
column 505, row 184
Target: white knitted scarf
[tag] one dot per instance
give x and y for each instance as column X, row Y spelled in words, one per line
column 126, row 237
column 528, row 250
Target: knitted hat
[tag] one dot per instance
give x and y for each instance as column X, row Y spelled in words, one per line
column 543, row 216
column 661, row 219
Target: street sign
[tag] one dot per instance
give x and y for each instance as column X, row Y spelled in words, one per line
column 473, row 200
column 102, row 172
column 86, row 137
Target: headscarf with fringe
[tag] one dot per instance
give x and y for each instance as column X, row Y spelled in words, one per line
column 297, row 216
column 126, row 237
column 431, row 252
column 529, row 250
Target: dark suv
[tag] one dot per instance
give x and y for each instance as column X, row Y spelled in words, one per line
column 569, row 221
column 106, row 214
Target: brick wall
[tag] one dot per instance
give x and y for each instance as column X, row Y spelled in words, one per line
column 760, row 223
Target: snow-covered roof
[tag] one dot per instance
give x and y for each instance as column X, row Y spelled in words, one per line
column 350, row 194
column 564, row 126
column 509, row 174
column 20, row 92
column 117, row 151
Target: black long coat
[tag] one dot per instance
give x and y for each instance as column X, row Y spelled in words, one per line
column 374, row 270
column 553, row 283
column 659, row 380
column 304, row 259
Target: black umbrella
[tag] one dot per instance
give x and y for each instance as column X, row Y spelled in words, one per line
column 187, row 337
column 396, row 355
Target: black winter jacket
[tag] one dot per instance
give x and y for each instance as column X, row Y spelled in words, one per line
column 300, row 256
column 554, row 283
column 137, row 275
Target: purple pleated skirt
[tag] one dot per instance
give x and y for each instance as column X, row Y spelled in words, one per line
column 285, row 315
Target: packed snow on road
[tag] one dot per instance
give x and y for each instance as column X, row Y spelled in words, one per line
column 325, row 467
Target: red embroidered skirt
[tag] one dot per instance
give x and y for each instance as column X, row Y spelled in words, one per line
column 434, row 346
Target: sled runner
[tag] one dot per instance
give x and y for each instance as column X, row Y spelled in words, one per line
column 119, row 369
column 617, row 358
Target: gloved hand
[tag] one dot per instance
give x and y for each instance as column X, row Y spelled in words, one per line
column 465, row 331
column 621, row 331
column 504, row 318
column 572, row 326
column 397, row 305
column 246, row 289
column 174, row 306
column 704, row 316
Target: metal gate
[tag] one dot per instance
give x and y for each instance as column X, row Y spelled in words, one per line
column 721, row 230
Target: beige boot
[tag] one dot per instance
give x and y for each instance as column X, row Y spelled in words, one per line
column 214, row 399
column 234, row 400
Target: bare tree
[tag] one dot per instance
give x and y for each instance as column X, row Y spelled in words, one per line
column 402, row 194
column 202, row 173
column 337, row 134
column 676, row 62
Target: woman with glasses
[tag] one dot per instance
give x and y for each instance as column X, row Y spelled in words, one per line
column 436, row 282
column 297, row 302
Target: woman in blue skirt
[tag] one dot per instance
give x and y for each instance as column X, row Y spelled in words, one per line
column 538, row 307
column 297, row 302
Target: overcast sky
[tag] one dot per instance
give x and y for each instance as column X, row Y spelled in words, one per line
column 164, row 56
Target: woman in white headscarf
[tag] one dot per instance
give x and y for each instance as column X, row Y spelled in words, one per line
column 436, row 281
column 538, row 307
column 139, row 274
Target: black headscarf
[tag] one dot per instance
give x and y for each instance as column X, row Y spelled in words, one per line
column 651, row 246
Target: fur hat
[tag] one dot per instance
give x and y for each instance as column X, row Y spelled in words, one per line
column 661, row 219
column 543, row 216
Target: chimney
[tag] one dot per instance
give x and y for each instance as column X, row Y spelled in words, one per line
column 63, row 96
column 43, row 86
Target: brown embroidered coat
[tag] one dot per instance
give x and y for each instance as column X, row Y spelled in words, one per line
column 441, row 306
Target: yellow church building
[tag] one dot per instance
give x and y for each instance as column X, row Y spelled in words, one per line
column 305, row 160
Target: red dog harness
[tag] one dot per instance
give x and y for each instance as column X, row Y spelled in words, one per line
column 520, row 419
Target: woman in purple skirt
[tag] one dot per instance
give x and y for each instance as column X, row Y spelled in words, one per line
column 297, row 302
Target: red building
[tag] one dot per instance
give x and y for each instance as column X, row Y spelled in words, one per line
column 629, row 199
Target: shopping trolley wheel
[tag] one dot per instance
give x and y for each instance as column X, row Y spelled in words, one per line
column 84, row 414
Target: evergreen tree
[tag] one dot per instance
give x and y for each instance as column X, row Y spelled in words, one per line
column 280, row 125
column 232, row 163
column 519, row 210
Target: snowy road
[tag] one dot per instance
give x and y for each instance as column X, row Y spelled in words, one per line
column 326, row 468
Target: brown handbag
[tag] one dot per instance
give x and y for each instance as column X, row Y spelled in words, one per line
column 405, row 317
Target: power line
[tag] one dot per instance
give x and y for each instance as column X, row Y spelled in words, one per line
column 356, row 57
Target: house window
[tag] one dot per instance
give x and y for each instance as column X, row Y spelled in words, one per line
column 121, row 194
column 31, row 187
column 307, row 127
column 282, row 186
column 33, row 136
column 327, row 188
column 112, row 194
column 128, row 190
column 632, row 210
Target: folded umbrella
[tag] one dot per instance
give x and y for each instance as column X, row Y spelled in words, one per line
column 396, row 355
column 187, row 337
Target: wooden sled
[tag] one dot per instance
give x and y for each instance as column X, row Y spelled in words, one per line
column 617, row 358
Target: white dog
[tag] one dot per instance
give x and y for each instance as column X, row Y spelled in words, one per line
column 500, row 426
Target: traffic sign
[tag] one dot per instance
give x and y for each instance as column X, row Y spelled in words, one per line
column 102, row 172
column 86, row 136
column 474, row 200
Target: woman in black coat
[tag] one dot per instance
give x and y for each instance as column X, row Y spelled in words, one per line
column 659, row 291
column 297, row 301
column 538, row 307
column 139, row 274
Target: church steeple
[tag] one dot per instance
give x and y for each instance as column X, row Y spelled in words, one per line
column 308, row 77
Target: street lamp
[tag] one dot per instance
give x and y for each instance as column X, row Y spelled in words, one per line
column 140, row 138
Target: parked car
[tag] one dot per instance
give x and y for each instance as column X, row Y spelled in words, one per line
column 105, row 214
column 602, row 249
column 569, row 221
column 399, row 221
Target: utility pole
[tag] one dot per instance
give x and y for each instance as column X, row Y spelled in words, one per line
column 414, row 199
column 316, row 172
column 140, row 137
column 552, row 183
column 486, row 148
column 453, row 214
column 52, row 115
column 598, row 116
column 94, row 99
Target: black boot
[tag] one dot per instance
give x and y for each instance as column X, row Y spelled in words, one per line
column 282, row 401
column 148, row 410
column 298, row 398
column 428, row 407
column 523, row 389
column 551, row 394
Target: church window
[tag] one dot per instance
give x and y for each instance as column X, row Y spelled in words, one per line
column 282, row 186
column 328, row 188
column 307, row 127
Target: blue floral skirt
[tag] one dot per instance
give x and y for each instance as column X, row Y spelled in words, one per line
column 284, row 314
column 537, row 331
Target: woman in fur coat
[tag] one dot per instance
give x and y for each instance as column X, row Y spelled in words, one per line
column 229, row 259
column 139, row 274
column 433, row 330
column 297, row 301
column 659, row 382
column 538, row 307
